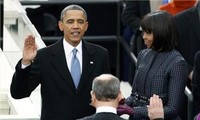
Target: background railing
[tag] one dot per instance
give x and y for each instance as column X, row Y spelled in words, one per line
column 16, row 25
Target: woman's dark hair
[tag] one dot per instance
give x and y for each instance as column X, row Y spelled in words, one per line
column 161, row 25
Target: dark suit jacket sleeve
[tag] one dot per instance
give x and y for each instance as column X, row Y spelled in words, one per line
column 196, row 83
column 188, row 44
column 182, row 42
column 22, row 85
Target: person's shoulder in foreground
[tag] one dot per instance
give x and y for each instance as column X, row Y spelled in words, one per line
column 105, row 97
column 103, row 116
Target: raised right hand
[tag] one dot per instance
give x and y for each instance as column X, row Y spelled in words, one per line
column 29, row 50
column 155, row 108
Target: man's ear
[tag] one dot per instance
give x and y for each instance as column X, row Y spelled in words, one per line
column 91, row 92
column 120, row 96
column 60, row 25
column 93, row 99
column 92, row 95
column 86, row 26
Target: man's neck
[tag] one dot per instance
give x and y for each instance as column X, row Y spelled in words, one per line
column 109, row 109
column 113, row 104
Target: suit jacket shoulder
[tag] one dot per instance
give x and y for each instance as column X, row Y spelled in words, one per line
column 103, row 116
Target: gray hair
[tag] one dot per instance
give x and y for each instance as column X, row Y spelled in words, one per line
column 72, row 7
column 106, row 87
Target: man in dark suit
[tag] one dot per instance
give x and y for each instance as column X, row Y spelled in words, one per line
column 51, row 67
column 196, row 83
column 188, row 23
column 106, row 96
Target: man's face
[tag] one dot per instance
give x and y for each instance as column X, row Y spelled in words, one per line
column 73, row 25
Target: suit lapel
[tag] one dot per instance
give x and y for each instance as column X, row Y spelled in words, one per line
column 60, row 63
column 88, row 64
